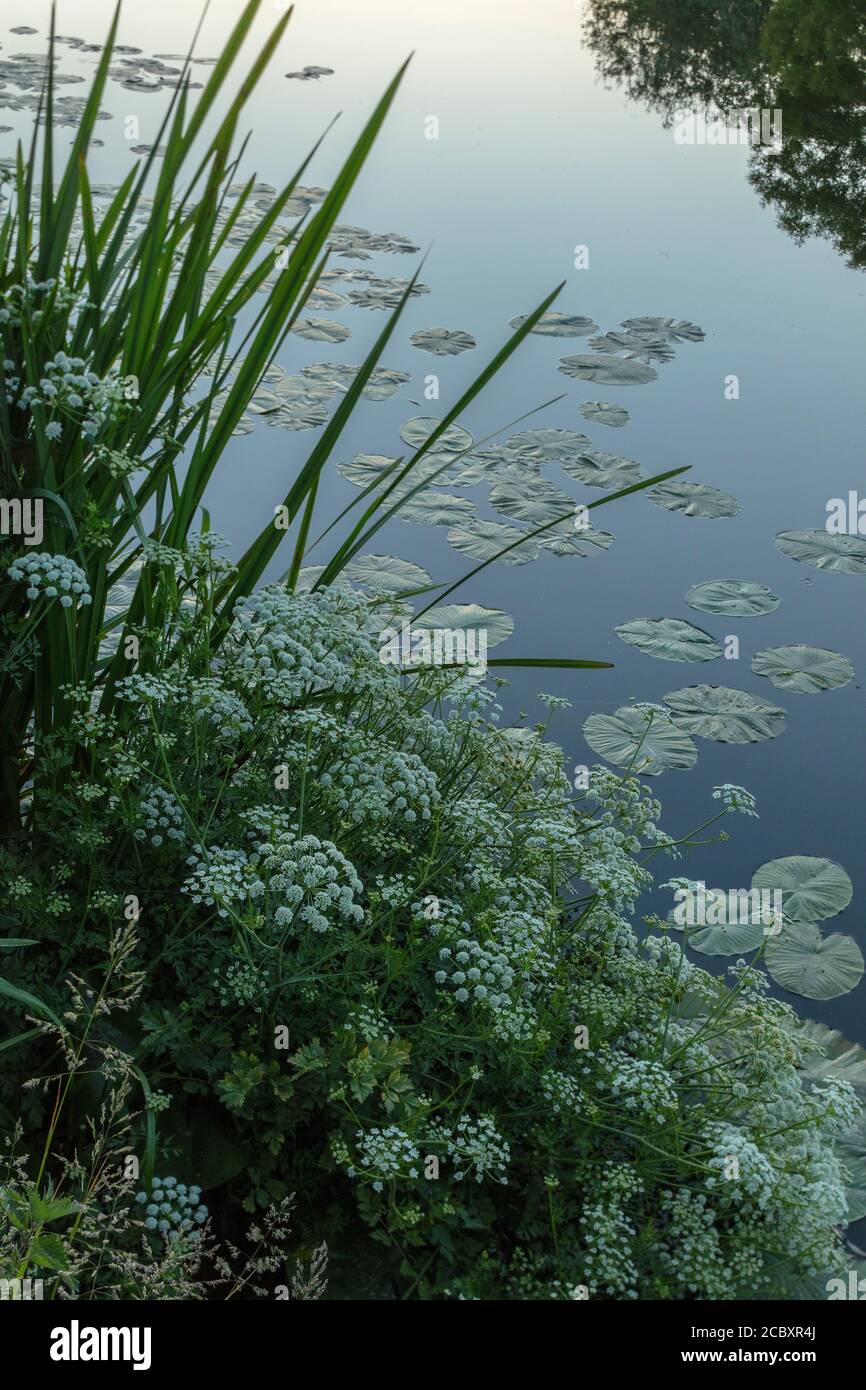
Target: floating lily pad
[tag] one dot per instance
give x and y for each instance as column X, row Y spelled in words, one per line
column 598, row 469
column 669, row 639
column 311, row 73
column 725, row 715
column 811, row 888
column 680, row 330
column 851, row 1148
column 693, row 499
column 631, row 737
column 556, row 325
column 839, row 1058
column 735, row 598
column 418, row 430
column 728, row 938
column 364, row 469
column 484, row 539
column 386, row 573
column 807, row 670
column 546, row 445
column 824, row 550
column 321, row 330
column 607, row 371
column 443, row 342
column 568, row 539
column 536, row 503
column 437, row 509
column 643, row 347
column 498, row 625
column 603, row 413
column 805, row 962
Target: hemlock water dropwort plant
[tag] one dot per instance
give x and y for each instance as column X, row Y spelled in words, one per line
column 526, row 1055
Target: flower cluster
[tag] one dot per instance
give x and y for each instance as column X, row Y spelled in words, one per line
column 160, row 817
column 51, row 576
column 477, row 973
column 385, row 1153
column 172, row 1208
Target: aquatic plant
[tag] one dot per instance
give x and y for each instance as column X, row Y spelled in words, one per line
column 389, row 967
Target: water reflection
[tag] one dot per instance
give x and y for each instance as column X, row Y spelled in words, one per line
column 805, row 57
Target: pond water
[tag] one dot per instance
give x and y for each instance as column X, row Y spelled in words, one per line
column 552, row 135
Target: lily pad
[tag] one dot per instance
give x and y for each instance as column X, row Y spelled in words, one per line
column 567, row 539
column 725, row 715
column 437, row 509
column 632, row 737
column 693, row 499
column 735, row 598
column 641, row 346
column 556, row 325
column 669, row 639
column 418, row 430
column 607, row 371
column 603, row 413
column 498, row 625
column 839, row 1058
column 443, row 342
column 805, row 962
column 535, row 503
column 321, row 330
column 598, row 469
column 386, row 573
column 824, row 550
column 807, row 670
column 483, row 540
column 680, row 330
column 546, row 445
column 811, row 888
column 728, row 938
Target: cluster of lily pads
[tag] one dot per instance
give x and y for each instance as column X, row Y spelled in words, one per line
column 798, row 956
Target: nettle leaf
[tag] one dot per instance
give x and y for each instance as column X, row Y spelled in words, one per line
column 457, row 616
column 807, row 670
column 443, row 342
column 693, row 499
column 811, row 888
column 607, row 371
column 803, row 961
column 603, row 413
column 724, row 714
column 669, row 639
column 483, row 540
column 824, row 550
column 554, row 324
column 734, row 598
column 648, row 742
column 598, row 469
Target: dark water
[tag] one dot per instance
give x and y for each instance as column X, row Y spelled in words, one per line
column 552, row 133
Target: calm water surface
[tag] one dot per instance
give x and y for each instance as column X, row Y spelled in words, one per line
column 539, row 151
